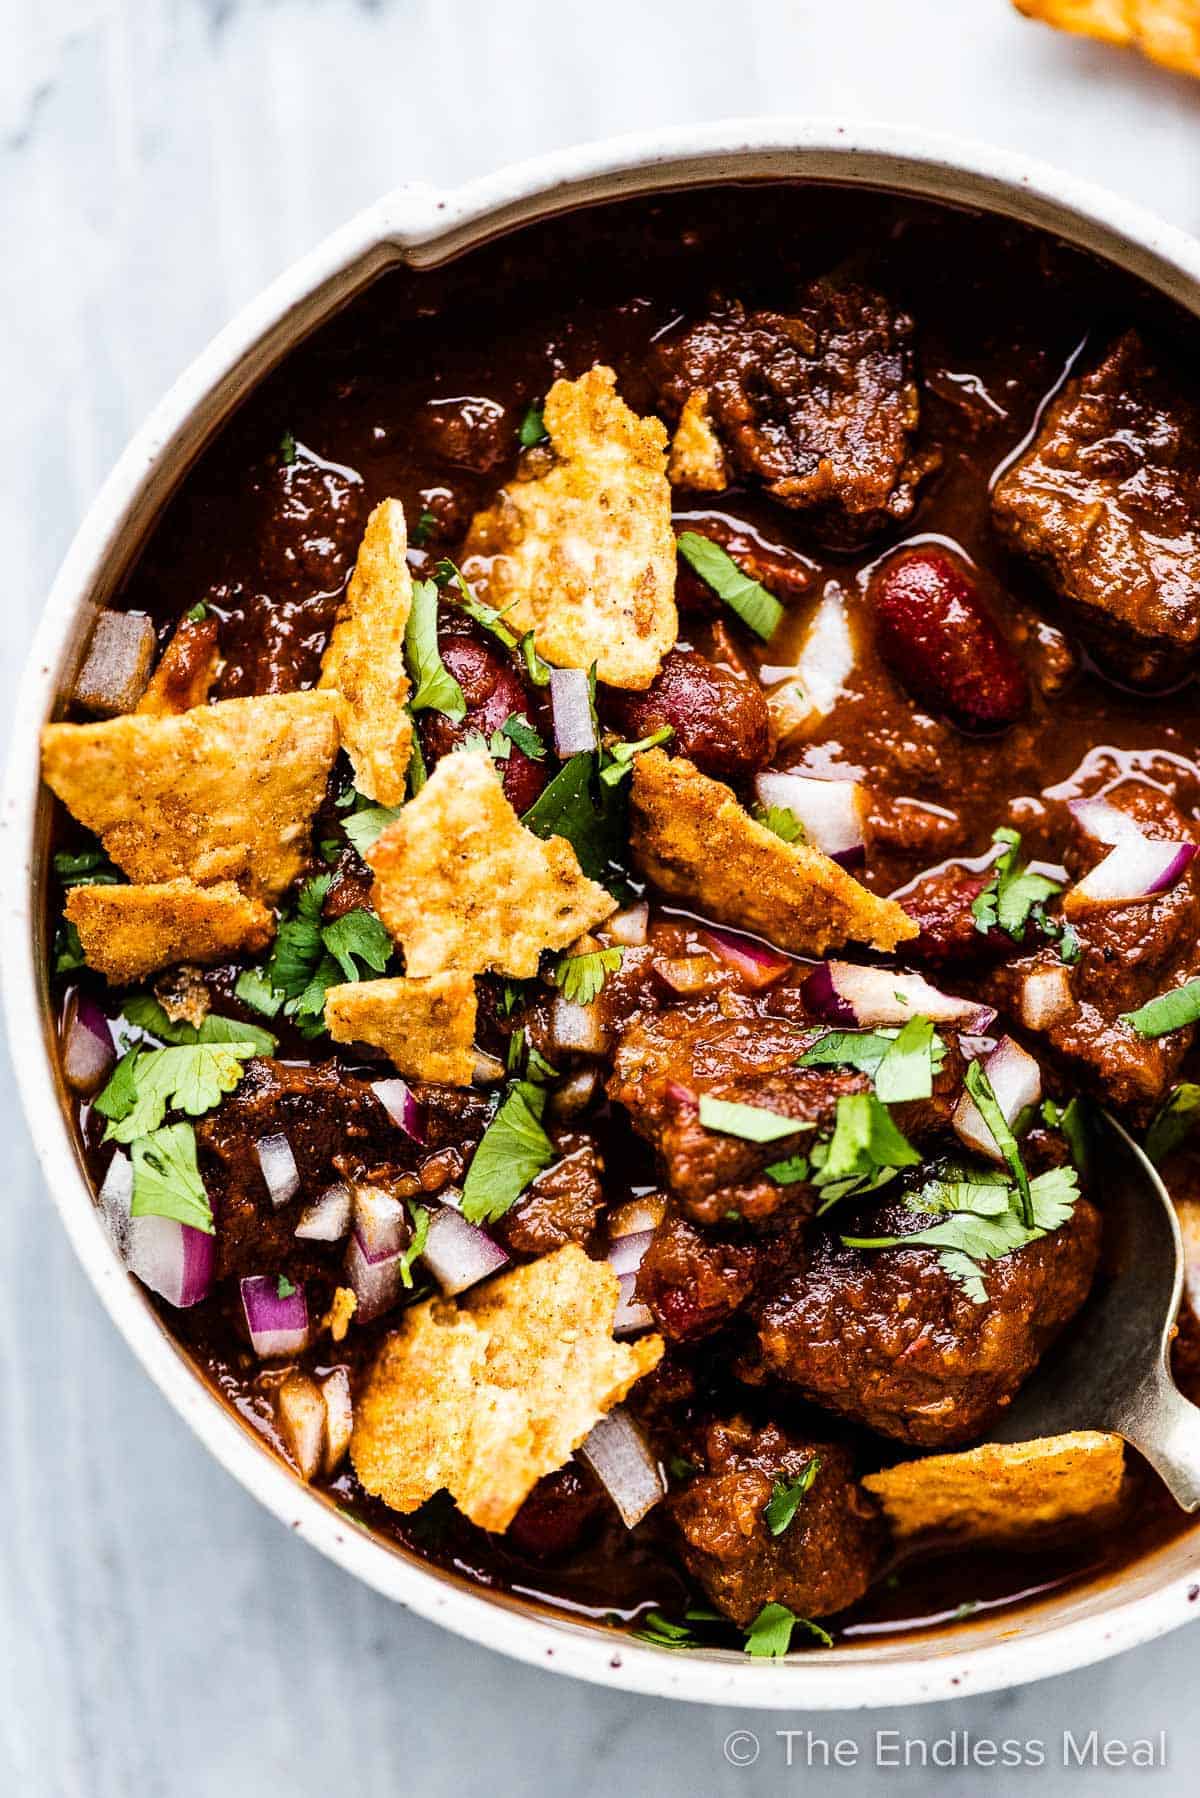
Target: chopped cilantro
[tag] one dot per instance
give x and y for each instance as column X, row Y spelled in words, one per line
column 68, row 950
column 524, row 737
column 1174, row 1123
column 659, row 1630
column 166, row 1179
column 91, row 867
column 1072, row 1120
column 1013, row 892
column 196, row 614
column 423, row 527
column 1169, row 1011
column 309, row 957
column 537, row 670
column 906, row 1070
column 365, row 827
column 416, row 1246
column 284, row 1288
column 287, row 449
column 357, row 936
column 513, row 1151
column 785, row 1498
column 580, row 977
column 591, row 816
column 329, row 849
column 795, row 1167
column 619, row 756
column 416, row 777
column 770, row 1635
column 532, row 429
column 254, row 990
column 753, row 1123
column 298, row 940
column 988, row 1107
column 147, row 1014
column 192, row 1078
column 782, row 822
column 449, row 578
column 434, row 687
column 680, row 1468
column 865, row 1151
column 756, row 608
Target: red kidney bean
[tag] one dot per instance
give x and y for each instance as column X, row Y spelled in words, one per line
column 494, row 693
column 720, row 720
column 556, row 1514
column 936, row 634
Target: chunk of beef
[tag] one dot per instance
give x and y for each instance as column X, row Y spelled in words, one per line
column 891, row 1339
column 563, row 1203
column 825, row 1558
column 1107, row 502
column 819, row 405
column 694, row 1281
column 494, row 693
column 720, row 718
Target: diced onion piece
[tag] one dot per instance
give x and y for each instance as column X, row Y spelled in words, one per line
column 1100, row 819
column 975, row 1047
column 1135, row 869
column 577, row 1029
column 629, row 927
column 832, row 812
column 571, row 705
column 807, row 692
column 277, row 1326
column 1045, row 997
column 575, row 1093
column 328, row 1218
column 845, row 993
column 636, row 1215
column 458, row 1254
column 279, row 1169
column 1016, row 1080
column 631, row 1315
column 88, row 1055
column 757, row 964
column 381, row 1222
column 688, row 974
column 172, row 1259
column 617, row 1454
column 117, row 666
column 488, row 1069
column 339, row 1416
column 401, row 1107
column 300, row 1419
column 625, row 1255
column 115, row 1197
column 376, row 1284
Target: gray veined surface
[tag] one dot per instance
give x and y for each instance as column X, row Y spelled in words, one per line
column 160, row 1634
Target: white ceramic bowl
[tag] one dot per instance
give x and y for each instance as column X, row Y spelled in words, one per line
column 423, row 227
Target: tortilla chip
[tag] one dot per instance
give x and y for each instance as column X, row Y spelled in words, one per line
column 584, row 555
column 224, row 792
column 462, row 885
column 345, row 1304
column 485, row 1397
column 186, row 672
column 1004, row 1490
column 364, row 663
column 1168, row 31
column 697, row 460
column 694, row 841
column 426, row 1028
column 129, row 932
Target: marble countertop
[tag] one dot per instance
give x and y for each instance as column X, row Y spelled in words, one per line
column 160, row 1635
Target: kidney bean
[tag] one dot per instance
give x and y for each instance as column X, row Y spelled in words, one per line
column 556, row 1514
column 936, row 634
column 493, row 692
column 720, row 720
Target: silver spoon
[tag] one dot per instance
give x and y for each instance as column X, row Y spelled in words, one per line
column 1111, row 1370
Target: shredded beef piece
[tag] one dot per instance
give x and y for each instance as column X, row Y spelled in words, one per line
column 889, row 1338
column 562, row 1204
column 694, row 1281
column 819, row 1564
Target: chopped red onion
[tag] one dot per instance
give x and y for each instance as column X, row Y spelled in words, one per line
column 571, row 704
column 577, row 1029
column 631, row 1314
column 380, row 1222
column 846, row 993
column 1134, row 869
column 339, row 1416
column 457, row 1253
column 975, row 1047
column 173, row 1260
column 757, row 964
column 811, row 688
column 617, row 1454
column 687, row 974
column 1016, row 1080
column 88, row 1055
column 635, row 1215
column 831, row 811
column 575, row 1093
column 327, row 1219
column 115, row 1197
column 300, row 1418
column 629, row 927
column 625, row 1254
column 277, row 1326
column 1045, row 997
column 279, row 1169
column 1100, row 819
column 377, row 1284
column 401, row 1107
column 117, row 666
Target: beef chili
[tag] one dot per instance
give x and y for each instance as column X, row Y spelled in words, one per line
column 631, row 806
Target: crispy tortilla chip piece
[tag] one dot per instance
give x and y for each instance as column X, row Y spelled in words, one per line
column 462, row 885
column 129, row 932
column 693, row 839
column 1166, row 30
column 485, row 1397
column 364, row 663
column 425, row 1027
column 1004, row 1490
column 224, row 792
column 584, row 555
column 186, row 671
column 697, row 460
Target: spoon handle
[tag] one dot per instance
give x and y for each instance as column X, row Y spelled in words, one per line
column 1167, row 1432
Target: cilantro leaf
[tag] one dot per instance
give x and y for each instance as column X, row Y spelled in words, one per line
column 1074, row 1123
column 147, row 1014
column 782, row 822
column 1013, row 892
column 906, row 1070
column 298, row 946
column 357, row 935
column 756, row 608
column 536, row 669
column 364, row 828
column 416, row 1247
column 989, row 1109
column 1169, row 1011
column 592, row 817
column 865, row 1150
column 524, row 737
column 434, row 687
column 619, row 756
column 166, row 1179
column 254, row 990
column 1176, row 1120
column 416, row 777
column 753, row 1123
column 192, row 1078
column 784, row 1502
column 423, row 527
column 287, row 449
column 68, row 950
column 91, row 867
column 449, row 575
column 284, row 1288
column 794, row 1167
column 513, row 1151
column 196, row 614
column 770, row 1635
column 580, row 977
column 866, row 1050
column 532, row 429
column 659, row 1630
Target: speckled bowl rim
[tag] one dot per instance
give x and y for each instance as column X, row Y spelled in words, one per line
column 422, row 226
